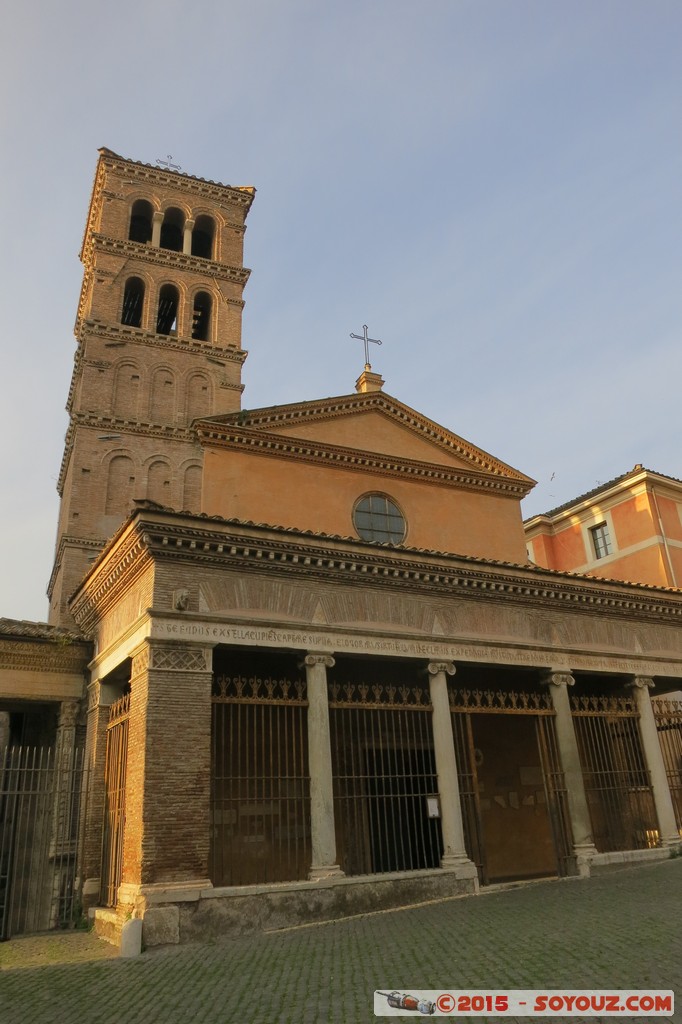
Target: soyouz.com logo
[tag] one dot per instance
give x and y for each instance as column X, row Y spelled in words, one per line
column 524, row 1003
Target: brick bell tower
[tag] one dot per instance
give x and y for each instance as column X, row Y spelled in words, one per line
column 158, row 336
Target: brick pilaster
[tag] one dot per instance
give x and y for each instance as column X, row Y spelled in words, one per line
column 168, row 775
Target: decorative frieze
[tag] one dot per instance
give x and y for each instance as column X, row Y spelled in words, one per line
column 61, row 657
column 140, row 662
column 165, row 257
column 179, row 659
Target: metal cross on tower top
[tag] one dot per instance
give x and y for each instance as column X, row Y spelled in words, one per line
column 363, row 337
column 167, row 163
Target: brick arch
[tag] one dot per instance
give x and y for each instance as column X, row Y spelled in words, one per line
column 198, row 396
column 120, row 486
column 176, row 203
column 141, row 210
column 125, row 400
column 133, row 302
column 159, row 481
column 162, row 395
column 191, row 474
column 202, row 304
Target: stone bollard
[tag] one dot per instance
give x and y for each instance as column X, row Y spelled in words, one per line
column 131, row 938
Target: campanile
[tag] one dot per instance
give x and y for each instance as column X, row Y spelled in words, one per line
column 158, row 335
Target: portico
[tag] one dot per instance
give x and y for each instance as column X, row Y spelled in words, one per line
column 362, row 742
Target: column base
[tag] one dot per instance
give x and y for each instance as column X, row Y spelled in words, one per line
column 672, row 842
column 584, row 854
column 460, row 865
column 319, row 872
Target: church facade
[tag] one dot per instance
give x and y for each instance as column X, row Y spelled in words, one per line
column 324, row 677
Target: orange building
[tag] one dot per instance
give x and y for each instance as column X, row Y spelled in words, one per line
column 627, row 529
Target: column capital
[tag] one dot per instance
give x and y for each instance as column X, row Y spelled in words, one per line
column 558, row 678
column 101, row 695
column 641, row 683
column 157, row 216
column 434, row 667
column 165, row 656
column 317, row 658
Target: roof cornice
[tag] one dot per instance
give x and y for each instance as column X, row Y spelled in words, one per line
column 332, row 408
column 115, row 424
column 238, row 195
column 603, row 495
column 163, row 257
column 260, row 442
column 250, row 547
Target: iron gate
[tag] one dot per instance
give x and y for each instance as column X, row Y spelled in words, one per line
column 383, row 769
column 617, row 782
column 116, row 757
column 260, row 785
column 668, row 716
column 544, row 784
column 42, row 796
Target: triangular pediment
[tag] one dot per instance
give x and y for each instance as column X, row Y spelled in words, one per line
column 375, row 423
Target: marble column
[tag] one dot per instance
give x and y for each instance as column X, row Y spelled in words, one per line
column 454, row 850
column 578, row 811
column 323, row 832
column 187, row 237
column 157, row 221
column 653, row 756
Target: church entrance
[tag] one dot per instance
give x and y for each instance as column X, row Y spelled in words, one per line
column 383, row 765
column 260, row 785
column 115, row 767
column 513, row 794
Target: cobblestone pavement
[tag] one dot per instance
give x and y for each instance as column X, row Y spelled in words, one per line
column 622, row 930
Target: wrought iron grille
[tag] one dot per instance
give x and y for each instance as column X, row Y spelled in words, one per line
column 464, row 704
column 521, row 702
column 260, row 786
column 116, row 758
column 468, row 791
column 668, row 715
column 384, row 771
column 617, row 782
column 42, row 798
column 557, row 794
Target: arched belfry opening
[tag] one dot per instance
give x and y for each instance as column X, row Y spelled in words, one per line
column 202, row 237
column 201, row 316
column 172, row 229
column 140, row 229
column 133, row 302
column 167, row 317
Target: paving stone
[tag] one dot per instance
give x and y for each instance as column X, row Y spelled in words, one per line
column 620, row 930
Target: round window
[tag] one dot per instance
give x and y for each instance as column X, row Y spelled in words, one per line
column 377, row 518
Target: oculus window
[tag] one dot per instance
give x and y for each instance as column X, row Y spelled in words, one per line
column 376, row 518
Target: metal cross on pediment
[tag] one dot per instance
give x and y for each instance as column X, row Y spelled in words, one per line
column 168, row 164
column 363, row 337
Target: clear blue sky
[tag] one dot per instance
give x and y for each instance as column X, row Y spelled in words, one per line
column 492, row 185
